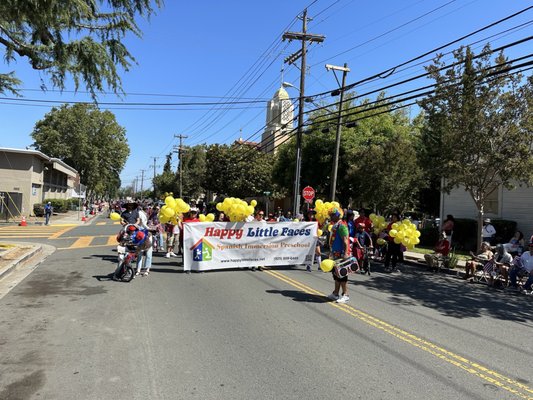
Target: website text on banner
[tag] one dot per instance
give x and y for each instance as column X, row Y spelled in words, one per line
column 222, row 245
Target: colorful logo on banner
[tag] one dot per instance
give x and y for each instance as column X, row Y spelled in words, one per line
column 202, row 250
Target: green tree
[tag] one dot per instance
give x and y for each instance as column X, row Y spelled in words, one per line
column 478, row 132
column 166, row 182
column 80, row 38
column 194, row 170
column 87, row 139
column 237, row 170
column 377, row 160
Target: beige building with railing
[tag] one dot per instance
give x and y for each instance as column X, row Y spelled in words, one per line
column 28, row 177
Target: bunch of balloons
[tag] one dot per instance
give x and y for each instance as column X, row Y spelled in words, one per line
column 323, row 209
column 236, row 209
column 171, row 210
column 406, row 233
column 379, row 223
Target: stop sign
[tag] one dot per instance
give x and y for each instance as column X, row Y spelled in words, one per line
column 308, row 194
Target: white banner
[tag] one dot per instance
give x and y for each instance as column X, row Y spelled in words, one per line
column 223, row 245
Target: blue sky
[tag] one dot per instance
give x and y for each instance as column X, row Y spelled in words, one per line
column 206, row 48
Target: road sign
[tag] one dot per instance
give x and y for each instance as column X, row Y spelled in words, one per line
column 308, row 194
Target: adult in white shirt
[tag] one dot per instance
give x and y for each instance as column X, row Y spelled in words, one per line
column 488, row 232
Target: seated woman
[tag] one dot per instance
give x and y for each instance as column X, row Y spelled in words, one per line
column 478, row 260
column 442, row 248
column 502, row 263
column 516, row 244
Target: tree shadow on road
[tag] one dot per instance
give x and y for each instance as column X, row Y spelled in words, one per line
column 450, row 296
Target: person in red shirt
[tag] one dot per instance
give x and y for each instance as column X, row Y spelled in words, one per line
column 363, row 219
column 442, row 249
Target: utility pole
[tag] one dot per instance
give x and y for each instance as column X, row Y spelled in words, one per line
column 153, row 181
column 304, row 37
column 180, row 150
column 142, row 182
column 345, row 71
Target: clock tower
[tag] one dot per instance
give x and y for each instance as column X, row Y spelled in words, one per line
column 279, row 121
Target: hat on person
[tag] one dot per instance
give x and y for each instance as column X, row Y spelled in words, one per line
column 334, row 212
column 487, row 220
column 193, row 210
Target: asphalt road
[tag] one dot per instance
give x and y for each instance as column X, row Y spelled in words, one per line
column 68, row 332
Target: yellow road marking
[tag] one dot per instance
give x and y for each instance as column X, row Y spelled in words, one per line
column 461, row 362
column 101, row 223
column 96, row 245
column 61, row 232
column 83, row 241
column 112, row 240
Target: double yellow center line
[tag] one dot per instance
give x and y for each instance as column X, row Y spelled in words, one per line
column 493, row 377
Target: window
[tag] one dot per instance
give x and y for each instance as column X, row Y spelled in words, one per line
column 492, row 200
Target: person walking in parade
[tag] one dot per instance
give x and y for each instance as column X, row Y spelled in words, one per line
column 340, row 248
column 394, row 250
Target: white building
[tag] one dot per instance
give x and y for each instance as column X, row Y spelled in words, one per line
column 514, row 205
column 279, row 121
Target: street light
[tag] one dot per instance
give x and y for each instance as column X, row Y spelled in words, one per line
column 345, row 71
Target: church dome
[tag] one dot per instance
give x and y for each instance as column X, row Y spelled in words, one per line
column 281, row 94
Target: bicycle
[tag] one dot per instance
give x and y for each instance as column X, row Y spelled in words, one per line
column 365, row 260
column 127, row 254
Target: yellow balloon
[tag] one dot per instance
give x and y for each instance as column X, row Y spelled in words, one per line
column 393, row 233
column 170, row 201
column 327, row 265
column 253, row 203
column 319, row 232
column 219, row 207
column 319, row 203
column 417, row 234
column 163, row 219
column 406, row 241
column 202, row 218
column 400, row 235
column 210, row 217
column 397, row 240
column 114, row 216
column 168, row 212
column 416, row 240
column 372, row 217
column 381, row 241
column 396, row 225
column 250, row 210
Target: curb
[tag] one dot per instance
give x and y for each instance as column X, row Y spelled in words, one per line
column 15, row 263
column 416, row 262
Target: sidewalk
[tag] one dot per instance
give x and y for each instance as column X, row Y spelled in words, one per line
column 417, row 259
column 70, row 218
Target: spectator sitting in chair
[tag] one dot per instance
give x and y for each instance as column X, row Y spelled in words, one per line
column 442, row 249
column 526, row 262
column 502, row 263
column 516, row 244
column 478, row 260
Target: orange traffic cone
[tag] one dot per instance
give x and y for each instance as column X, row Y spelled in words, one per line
column 23, row 221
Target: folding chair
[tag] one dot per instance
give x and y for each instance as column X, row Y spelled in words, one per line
column 483, row 275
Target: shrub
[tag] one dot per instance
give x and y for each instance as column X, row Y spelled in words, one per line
column 59, row 205
column 38, row 209
column 429, row 237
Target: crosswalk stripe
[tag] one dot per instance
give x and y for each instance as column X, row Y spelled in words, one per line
column 83, row 241
column 61, row 232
